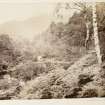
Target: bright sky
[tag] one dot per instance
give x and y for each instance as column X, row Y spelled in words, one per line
column 21, row 11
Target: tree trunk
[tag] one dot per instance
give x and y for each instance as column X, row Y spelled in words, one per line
column 101, row 69
column 96, row 38
column 87, row 35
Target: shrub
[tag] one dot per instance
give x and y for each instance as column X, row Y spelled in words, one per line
column 44, row 86
column 90, row 93
column 28, row 70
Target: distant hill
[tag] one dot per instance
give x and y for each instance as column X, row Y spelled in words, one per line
column 25, row 29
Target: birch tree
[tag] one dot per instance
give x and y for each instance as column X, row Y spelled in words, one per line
column 95, row 35
column 85, row 8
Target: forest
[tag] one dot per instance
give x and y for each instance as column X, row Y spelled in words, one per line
column 64, row 61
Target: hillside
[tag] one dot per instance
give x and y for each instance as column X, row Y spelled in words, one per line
column 81, row 79
column 43, row 80
column 27, row 29
column 57, row 62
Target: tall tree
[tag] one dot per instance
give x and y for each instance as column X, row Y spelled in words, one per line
column 96, row 38
column 57, row 14
column 85, row 9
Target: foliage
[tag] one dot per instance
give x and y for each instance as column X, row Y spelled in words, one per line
column 61, row 42
column 28, row 70
column 8, row 53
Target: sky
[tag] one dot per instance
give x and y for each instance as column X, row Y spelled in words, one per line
column 43, row 12
column 21, row 11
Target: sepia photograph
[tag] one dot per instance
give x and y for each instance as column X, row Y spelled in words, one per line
column 52, row 50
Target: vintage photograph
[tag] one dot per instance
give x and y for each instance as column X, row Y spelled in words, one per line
column 52, row 50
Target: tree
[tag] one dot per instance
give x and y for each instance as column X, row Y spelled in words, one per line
column 84, row 8
column 101, row 27
column 57, row 13
column 96, row 38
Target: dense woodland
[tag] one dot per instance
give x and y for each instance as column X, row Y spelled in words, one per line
column 59, row 63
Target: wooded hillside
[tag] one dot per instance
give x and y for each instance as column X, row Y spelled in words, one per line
column 60, row 62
